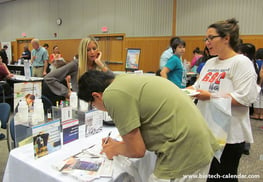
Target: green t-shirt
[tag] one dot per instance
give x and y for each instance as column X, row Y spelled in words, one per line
column 170, row 123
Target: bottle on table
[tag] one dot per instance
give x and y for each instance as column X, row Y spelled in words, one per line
column 38, row 114
column 22, row 114
column 73, row 100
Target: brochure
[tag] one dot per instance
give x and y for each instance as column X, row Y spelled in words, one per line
column 70, row 130
column 93, row 122
column 46, row 138
column 86, row 165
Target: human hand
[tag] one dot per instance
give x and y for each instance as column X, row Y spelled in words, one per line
column 44, row 73
column 10, row 75
column 98, row 60
column 68, row 95
column 110, row 148
column 204, row 95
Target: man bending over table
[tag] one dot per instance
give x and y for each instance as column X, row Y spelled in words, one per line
column 151, row 113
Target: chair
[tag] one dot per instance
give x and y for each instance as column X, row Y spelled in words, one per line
column 11, row 134
column 5, row 113
column 2, row 89
column 6, row 93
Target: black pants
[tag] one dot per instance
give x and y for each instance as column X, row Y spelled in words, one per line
column 228, row 164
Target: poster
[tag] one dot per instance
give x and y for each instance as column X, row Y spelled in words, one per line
column 28, row 91
column 132, row 59
column 46, row 138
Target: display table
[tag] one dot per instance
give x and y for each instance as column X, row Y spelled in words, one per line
column 22, row 166
column 21, row 78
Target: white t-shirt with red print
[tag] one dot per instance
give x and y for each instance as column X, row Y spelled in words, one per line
column 239, row 73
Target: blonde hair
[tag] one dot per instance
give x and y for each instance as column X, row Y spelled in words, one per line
column 83, row 58
column 35, row 41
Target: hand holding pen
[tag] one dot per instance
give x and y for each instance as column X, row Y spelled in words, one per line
column 106, row 140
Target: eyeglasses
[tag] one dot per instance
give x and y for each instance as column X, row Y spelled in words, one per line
column 210, row 37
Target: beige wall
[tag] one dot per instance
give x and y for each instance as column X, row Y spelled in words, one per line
column 193, row 16
column 148, row 24
column 83, row 17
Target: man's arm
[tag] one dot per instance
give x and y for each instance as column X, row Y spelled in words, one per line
column 45, row 67
column 132, row 146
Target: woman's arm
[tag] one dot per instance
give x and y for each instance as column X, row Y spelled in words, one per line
column 9, row 75
column 100, row 64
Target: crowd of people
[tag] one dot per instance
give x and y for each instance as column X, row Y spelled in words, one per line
column 152, row 113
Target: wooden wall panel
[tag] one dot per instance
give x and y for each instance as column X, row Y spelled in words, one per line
column 68, row 47
column 151, row 48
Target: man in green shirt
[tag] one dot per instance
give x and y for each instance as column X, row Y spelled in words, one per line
column 151, row 113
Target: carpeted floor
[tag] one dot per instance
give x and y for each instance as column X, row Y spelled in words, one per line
column 250, row 164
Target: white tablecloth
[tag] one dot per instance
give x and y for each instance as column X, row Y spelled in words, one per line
column 22, row 166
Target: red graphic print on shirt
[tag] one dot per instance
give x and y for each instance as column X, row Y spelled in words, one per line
column 214, row 77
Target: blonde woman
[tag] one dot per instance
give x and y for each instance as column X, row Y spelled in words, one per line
column 54, row 85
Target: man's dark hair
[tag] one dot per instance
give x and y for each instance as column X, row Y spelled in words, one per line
column 5, row 47
column 173, row 39
column 259, row 53
column 46, row 45
column 176, row 43
column 93, row 81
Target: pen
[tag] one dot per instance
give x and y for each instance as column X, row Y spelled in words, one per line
column 107, row 139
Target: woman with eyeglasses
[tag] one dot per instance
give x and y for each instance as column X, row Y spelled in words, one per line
column 222, row 39
column 54, row 85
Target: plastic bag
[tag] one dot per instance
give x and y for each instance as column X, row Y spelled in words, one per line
column 125, row 169
column 218, row 117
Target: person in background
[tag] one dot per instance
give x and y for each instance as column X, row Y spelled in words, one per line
column 4, row 55
column 222, row 39
column 249, row 50
column 76, row 57
column 259, row 58
column 39, row 59
column 46, row 46
column 202, row 60
column 155, row 121
column 197, row 55
column 54, row 56
column 54, row 86
column 167, row 53
column 4, row 71
column 26, row 54
column 174, row 69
